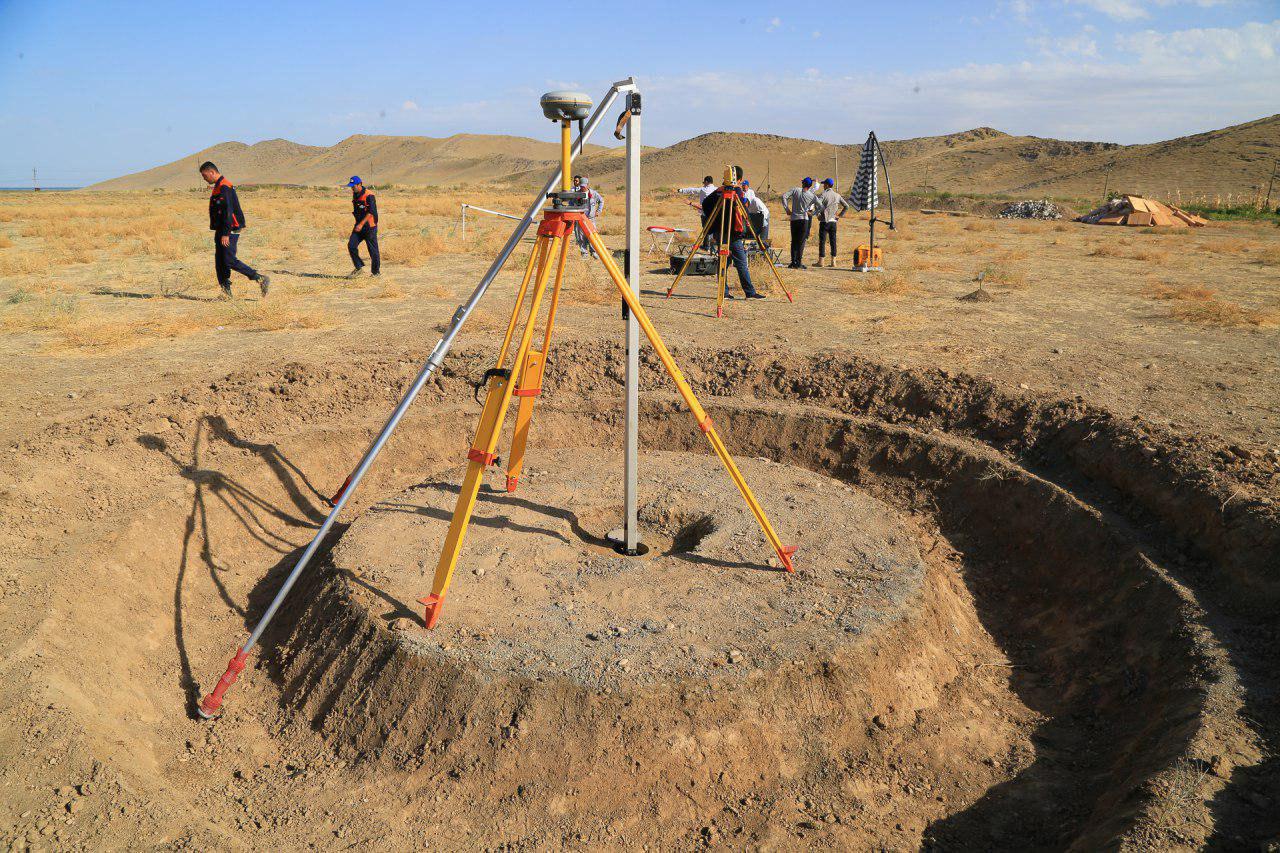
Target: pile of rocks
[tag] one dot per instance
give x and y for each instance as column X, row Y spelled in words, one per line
column 1043, row 209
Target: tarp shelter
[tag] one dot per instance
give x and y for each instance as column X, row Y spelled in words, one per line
column 1136, row 210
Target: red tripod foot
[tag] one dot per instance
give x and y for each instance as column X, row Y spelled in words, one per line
column 719, row 311
column 434, row 604
column 784, row 554
column 511, row 483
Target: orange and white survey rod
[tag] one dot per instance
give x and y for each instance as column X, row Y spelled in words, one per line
column 210, row 704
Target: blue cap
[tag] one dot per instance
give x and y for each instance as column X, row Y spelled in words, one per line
column 807, row 182
column 827, row 182
column 745, row 182
column 355, row 179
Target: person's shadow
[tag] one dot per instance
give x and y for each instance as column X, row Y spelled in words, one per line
column 213, row 490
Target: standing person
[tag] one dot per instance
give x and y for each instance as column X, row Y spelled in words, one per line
column 708, row 187
column 737, row 228
column 799, row 203
column 225, row 221
column 758, row 210
column 831, row 207
column 364, row 207
column 595, row 206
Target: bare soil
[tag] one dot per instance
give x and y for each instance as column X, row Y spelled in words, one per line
column 1080, row 656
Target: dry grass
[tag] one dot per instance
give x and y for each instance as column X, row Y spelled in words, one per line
column 1202, row 305
column 888, row 283
column 5, row 242
column 1269, row 256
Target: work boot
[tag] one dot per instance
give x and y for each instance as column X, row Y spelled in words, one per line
column 729, row 295
column 226, row 290
column 355, row 272
column 755, row 296
column 264, row 283
column 821, row 262
column 801, row 267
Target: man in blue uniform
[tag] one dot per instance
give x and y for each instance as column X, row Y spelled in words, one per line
column 364, row 207
column 225, row 221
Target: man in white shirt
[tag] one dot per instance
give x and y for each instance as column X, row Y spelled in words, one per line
column 830, row 208
column 757, row 210
column 707, row 188
column 799, row 203
column 595, row 206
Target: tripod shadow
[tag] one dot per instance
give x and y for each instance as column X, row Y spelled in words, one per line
column 250, row 510
column 503, row 522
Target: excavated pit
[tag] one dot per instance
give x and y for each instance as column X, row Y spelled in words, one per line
column 970, row 655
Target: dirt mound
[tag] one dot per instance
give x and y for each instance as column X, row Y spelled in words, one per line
column 1087, row 662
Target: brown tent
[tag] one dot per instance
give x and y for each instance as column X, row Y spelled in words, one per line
column 1136, row 210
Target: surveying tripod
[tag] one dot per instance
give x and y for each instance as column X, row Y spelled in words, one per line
column 553, row 247
column 524, row 379
column 723, row 218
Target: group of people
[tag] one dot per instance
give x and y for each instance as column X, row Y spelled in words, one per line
column 803, row 205
column 226, row 219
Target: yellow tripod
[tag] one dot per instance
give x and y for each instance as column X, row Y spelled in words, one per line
column 525, row 380
column 722, row 219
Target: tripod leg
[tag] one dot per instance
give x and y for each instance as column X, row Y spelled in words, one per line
column 482, row 454
column 530, row 386
column 784, row 552
column 768, row 259
column 722, row 260
column 693, row 250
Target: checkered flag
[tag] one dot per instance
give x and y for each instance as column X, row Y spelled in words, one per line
column 865, row 192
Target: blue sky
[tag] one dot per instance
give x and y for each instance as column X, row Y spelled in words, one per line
column 93, row 90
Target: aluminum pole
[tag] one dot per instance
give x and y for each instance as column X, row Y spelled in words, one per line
column 631, row 524
column 211, row 703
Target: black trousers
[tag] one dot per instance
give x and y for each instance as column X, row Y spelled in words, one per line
column 799, row 233
column 370, row 237
column 225, row 260
column 826, row 231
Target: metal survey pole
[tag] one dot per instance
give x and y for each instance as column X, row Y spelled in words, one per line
column 210, row 704
column 631, row 525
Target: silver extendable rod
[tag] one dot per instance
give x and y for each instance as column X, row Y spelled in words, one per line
column 433, row 361
column 631, row 413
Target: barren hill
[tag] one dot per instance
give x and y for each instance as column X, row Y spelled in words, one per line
column 1234, row 160
column 413, row 160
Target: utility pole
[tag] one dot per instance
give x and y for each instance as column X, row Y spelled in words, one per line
column 835, row 157
column 1270, row 183
column 35, row 182
column 1106, row 183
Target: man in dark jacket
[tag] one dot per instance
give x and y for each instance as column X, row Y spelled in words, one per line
column 225, row 221
column 737, row 229
column 364, row 207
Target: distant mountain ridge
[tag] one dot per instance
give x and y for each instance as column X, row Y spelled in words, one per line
column 1233, row 160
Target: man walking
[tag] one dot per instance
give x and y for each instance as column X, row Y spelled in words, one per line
column 737, row 228
column 364, row 207
column 799, row 203
column 595, row 206
column 225, row 221
column 830, row 208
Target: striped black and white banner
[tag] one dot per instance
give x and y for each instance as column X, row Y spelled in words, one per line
column 865, row 192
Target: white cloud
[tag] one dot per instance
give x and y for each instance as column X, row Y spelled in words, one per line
column 816, row 34
column 1133, row 10
column 1021, row 10
column 410, row 107
column 1251, row 45
column 774, row 23
column 1162, row 85
column 1082, row 45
